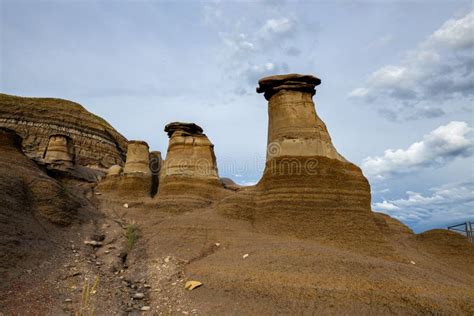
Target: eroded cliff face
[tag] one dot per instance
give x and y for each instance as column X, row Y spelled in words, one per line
column 30, row 202
column 95, row 143
column 189, row 176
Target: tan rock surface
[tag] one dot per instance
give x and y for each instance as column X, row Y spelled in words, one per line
column 189, row 173
column 96, row 143
column 60, row 152
column 308, row 190
column 115, row 170
column 138, row 158
column 294, row 128
column 135, row 179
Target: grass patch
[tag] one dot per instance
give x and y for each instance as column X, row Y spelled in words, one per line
column 131, row 234
column 88, row 291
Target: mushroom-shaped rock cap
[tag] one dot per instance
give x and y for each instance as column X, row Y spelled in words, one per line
column 186, row 128
column 272, row 84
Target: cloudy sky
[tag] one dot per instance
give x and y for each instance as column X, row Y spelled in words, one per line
column 397, row 81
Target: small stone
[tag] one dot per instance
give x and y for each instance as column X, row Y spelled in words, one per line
column 125, row 205
column 191, row 285
column 68, row 300
column 245, row 256
column 167, row 259
column 145, row 308
column 98, row 237
column 138, row 296
column 412, row 262
column 217, row 244
column 147, row 286
column 93, row 243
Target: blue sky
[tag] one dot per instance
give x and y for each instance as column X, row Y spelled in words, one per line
column 397, row 81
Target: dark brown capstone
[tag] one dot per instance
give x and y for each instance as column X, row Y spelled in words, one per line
column 269, row 86
column 186, row 128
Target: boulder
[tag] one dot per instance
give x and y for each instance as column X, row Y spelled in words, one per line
column 115, row 170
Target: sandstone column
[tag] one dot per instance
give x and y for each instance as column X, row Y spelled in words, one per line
column 138, row 158
column 188, row 177
column 294, row 128
column 190, row 153
column 308, row 189
column 60, row 152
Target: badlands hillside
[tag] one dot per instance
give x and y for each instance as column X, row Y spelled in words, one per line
column 94, row 224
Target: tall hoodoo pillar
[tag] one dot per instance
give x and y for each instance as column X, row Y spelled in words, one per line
column 294, row 127
column 307, row 189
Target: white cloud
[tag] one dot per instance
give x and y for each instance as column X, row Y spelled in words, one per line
column 437, row 148
column 454, row 33
column 385, row 206
column 439, row 69
column 281, row 26
column 253, row 73
column 238, row 44
column 447, row 204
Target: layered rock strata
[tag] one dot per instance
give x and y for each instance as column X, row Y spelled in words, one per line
column 60, row 152
column 308, row 189
column 138, row 159
column 135, row 178
column 189, row 176
column 294, row 128
column 96, row 143
column 23, row 182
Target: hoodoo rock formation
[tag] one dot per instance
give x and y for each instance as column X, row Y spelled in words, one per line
column 60, row 152
column 135, row 179
column 23, row 182
column 189, row 174
column 96, row 143
column 294, row 128
column 308, row 189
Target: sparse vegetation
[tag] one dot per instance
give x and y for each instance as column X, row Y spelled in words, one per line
column 87, row 292
column 131, row 234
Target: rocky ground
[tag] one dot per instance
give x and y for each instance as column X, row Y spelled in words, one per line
column 69, row 249
column 126, row 257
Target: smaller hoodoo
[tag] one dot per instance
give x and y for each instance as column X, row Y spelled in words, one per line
column 60, row 152
column 135, row 178
column 189, row 176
